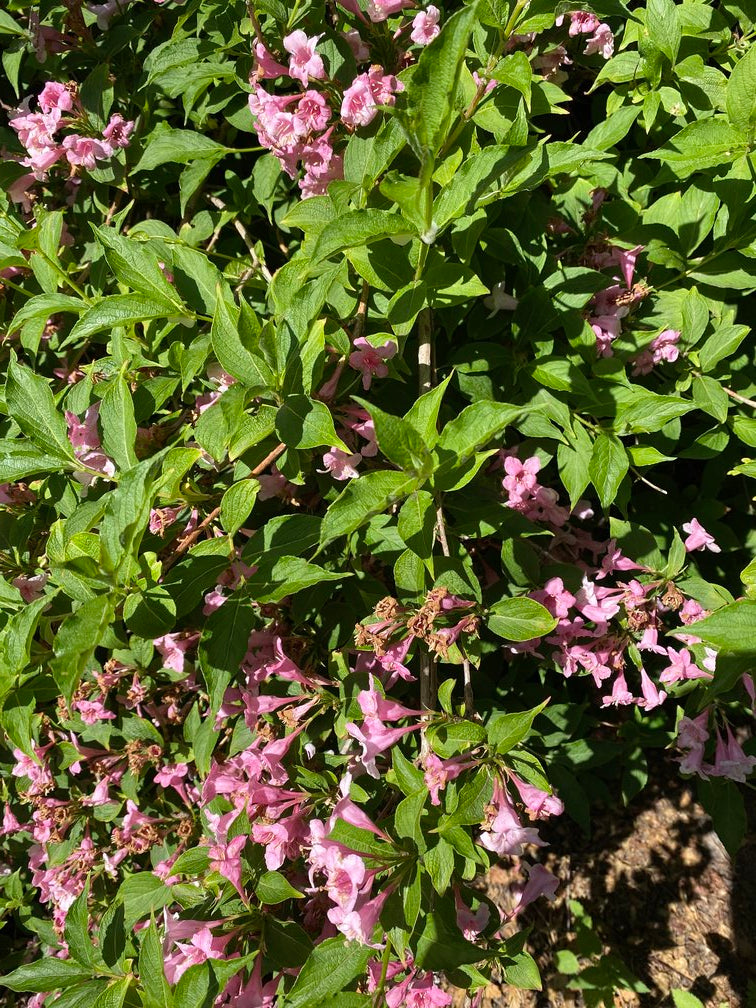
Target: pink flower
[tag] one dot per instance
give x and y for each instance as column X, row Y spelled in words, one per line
column 86, row 151
column 173, row 649
column 521, row 479
column 304, row 62
column 423, row 993
column 92, row 711
column 620, row 695
column 118, row 131
column 346, row 875
column 265, row 65
column 425, row 25
column 681, row 667
column 581, row 22
column 555, row 597
column 31, row 587
column 698, row 537
column 602, row 41
column 366, row 92
column 469, row 923
column 379, row 10
column 538, row 804
column 730, row 761
column 55, row 96
column 358, row 924
column 226, row 859
column 370, row 360
column 340, row 465
column 437, row 773
column 375, row 738
column 652, row 696
column 505, row 834
column 312, row 112
column 540, row 883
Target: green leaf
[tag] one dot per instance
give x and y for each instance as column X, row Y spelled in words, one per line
column 237, row 359
column 648, row 413
column 48, row 974
column 520, row 619
column 441, row 946
column 417, row 523
column 523, row 972
column 358, row 227
column 77, row 931
column 431, row 93
column 151, row 971
column 663, row 26
column 136, row 265
column 721, row 345
column 307, row 423
column 120, row 310
column 439, row 863
column 709, row 396
column 362, row 499
column 237, row 503
column 273, row 887
column 505, row 731
column 683, row 999
column 476, row 174
column 141, row 895
column 273, row 581
column 76, row 640
column 126, row 517
column 608, row 466
column 399, row 441
column 30, row 402
column 174, row 146
column 723, row 801
column 224, row 643
column 741, row 92
column 706, row 143
column 119, row 427
column 21, row 459
column 114, row 994
column 423, row 414
column 471, row 802
column 332, row 965
column 284, row 535
column 730, row 628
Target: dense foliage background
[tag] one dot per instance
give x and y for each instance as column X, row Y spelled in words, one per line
column 375, row 477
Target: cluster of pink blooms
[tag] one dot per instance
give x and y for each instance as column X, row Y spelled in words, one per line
column 610, row 306
column 303, row 130
column 59, row 109
column 730, row 760
column 599, row 621
column 586, row 23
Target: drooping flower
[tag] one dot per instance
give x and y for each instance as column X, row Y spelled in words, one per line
column 425, row 25
column 698, row 537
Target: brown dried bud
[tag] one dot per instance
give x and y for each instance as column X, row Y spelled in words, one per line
column 672, row 598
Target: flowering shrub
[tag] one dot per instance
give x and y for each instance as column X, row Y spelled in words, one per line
column 374, row 477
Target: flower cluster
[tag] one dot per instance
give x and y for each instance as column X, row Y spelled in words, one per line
column 60, row 109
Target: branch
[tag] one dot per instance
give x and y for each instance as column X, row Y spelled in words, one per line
column 246, row 238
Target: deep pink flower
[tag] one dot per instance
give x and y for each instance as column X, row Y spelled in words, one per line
column 698, row 537
column 86, row 151
column 366, row 92
column 118, row 131
column 652, row 695
column 92, row 711
column 370, row 360
column 538, row 804
column 681, row 667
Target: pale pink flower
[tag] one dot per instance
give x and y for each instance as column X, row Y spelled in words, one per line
column 730, row 761
column 265, row 65
column 370, row 360
column 86, row 151
column 93, row 711
column 31, row 587
column 652, row 696
column 423, row 993
column 698, row 537
column 375, row 738
column 504, row 833
column 620, row 695
column 312, row 112
column 540, row 883
column 469, row 923
column 555, row 597
column 55, row 96
column 346, row 874
column 225, row 858
column 602, row 41
column 359, row 49
column 538, row 804
column 340, row 465
column 366, row 92
column 173, row 648
column 425, row 25
column 437, row 773
column 379, row 10
column 304, row 63
column 358, row 924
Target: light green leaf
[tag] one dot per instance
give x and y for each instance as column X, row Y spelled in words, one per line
column 120, row 310
column 30, row 402
column 709, row 396
column 608, row 466
column 237, row 504
column 47, row 974
column 332, row 965
column 741, row 92
column 520, row 619
column 76, row 640
column 136, row 265
column 359, row 227
column 119, row 428
column 663, row 27
column 307, row 423
column 730, row 628
column 237, row 359
column 21, row 459
column 705, row 143
column 273, row 887
column 174, row 146
column 364, row 497
column 417, row 523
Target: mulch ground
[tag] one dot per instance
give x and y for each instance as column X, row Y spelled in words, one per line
column 664, row 897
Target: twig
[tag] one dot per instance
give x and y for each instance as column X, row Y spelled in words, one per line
column 648, row 482
column 361, row 317
column 441, row 529
column 246, row 238
column 739, row 398
column 189, row 540
column 467, row 688
column 425, row 351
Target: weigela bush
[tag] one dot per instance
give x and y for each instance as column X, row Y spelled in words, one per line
column 375, row 477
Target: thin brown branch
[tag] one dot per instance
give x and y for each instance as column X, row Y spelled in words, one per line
column 360, row 319
column 245, row 236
